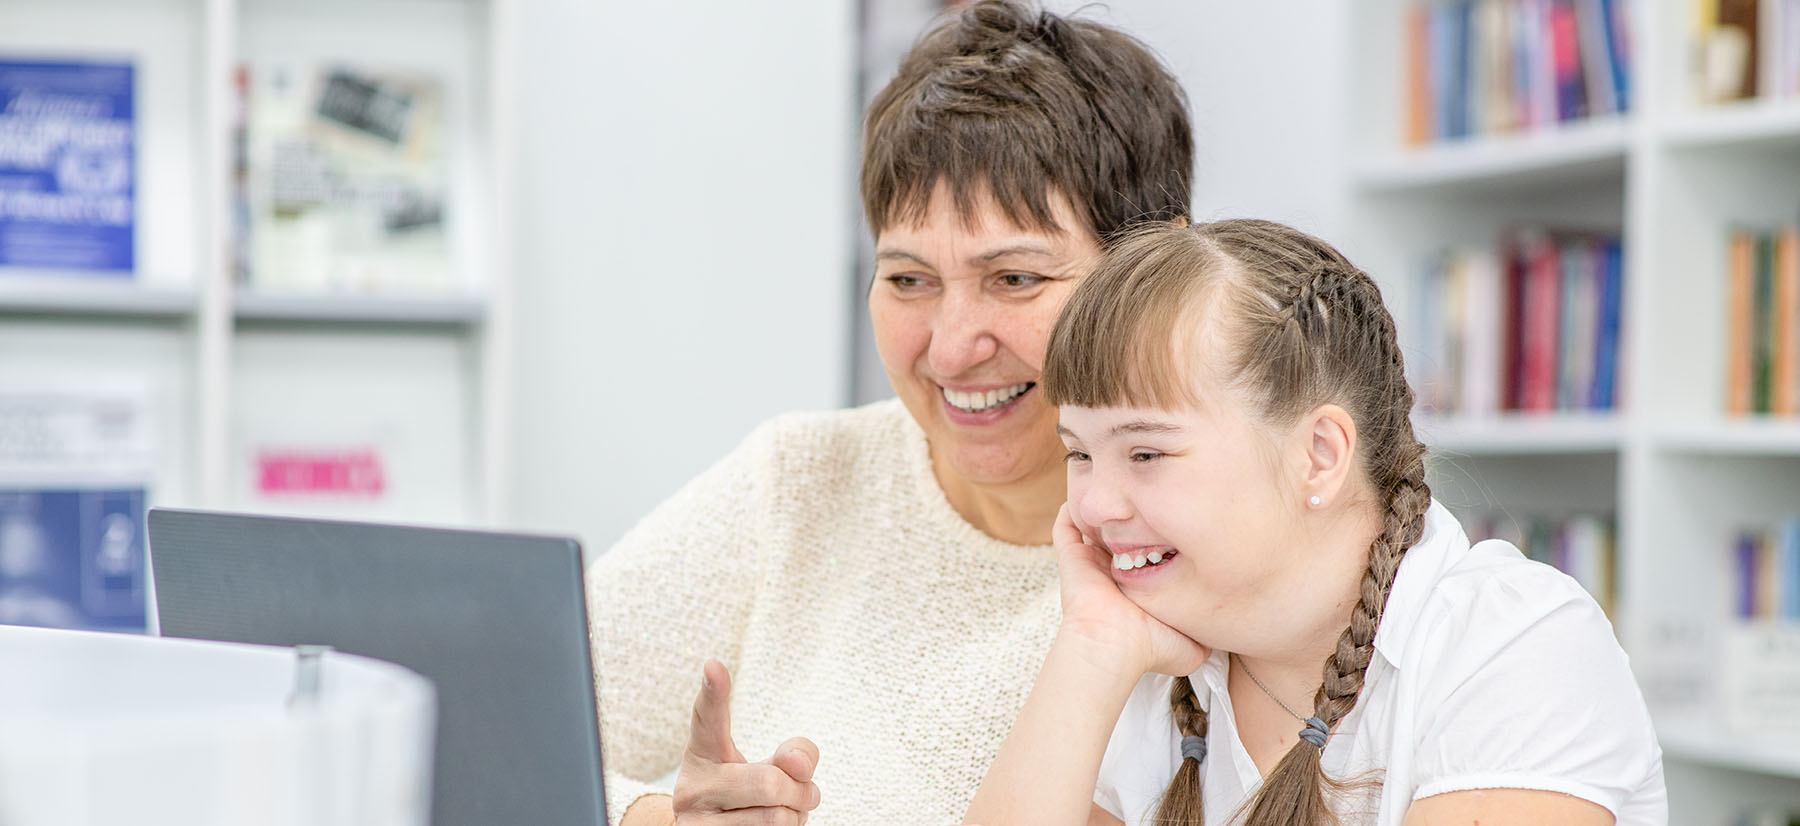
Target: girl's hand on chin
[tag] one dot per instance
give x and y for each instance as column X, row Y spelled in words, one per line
column 1097, row 616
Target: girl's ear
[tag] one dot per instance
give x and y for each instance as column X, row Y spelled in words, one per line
column 1328, row 437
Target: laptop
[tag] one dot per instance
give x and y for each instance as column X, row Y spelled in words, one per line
column 496, row 621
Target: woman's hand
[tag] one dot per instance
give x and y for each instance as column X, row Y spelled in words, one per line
column 1098, row 616
column 716, row 785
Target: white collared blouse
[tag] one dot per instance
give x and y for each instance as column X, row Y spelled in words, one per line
column 1490, row 671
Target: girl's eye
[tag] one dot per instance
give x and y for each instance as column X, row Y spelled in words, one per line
column 1075, row 456
column 1144, row 455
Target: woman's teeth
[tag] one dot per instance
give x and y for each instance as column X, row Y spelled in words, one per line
column 984, row 400
column 1126, row 562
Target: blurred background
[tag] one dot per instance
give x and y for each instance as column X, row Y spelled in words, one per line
column 532, row 264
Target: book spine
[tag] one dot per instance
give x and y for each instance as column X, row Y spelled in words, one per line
column 1596, row 69
column 1454, row 331
column 1784, row 366
column 1565, row 50
column 1791, row 574
column 1738, row 324
column 1482, row 370
column 1461, row 67
column 1762, row 350
column 1427, row 311
column 1606, row 347
column 1744, row 554
column 1568, row 326
column 1418, row 76
column 1538, row 327
column 1618, row 49
column 1768, row 576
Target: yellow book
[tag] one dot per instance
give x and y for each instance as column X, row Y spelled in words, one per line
column 1784, row 368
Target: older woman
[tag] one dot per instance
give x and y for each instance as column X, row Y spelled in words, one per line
column 880, row 579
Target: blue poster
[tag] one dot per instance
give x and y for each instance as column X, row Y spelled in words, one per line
column 67, row 176
column 73, row 559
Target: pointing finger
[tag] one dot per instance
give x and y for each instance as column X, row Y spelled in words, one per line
column 709, row 737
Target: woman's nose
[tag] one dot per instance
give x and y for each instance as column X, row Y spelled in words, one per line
column 963, row 336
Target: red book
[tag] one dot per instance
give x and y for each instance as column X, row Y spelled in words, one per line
column 1540, row 301
column 1565, row 57
column 1511, row 291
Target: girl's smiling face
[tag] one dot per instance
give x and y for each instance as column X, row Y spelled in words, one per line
column 1196, row 488
column 1219, row 499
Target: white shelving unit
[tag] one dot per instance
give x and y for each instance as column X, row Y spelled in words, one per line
column 1678, row 474
column 423, row 375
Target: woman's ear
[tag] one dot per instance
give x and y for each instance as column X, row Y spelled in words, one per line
column 1328, row 438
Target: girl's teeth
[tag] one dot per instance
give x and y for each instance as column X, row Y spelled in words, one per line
column 1126, row 562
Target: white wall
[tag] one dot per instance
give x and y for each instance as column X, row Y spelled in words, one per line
column 685, row 190
column 1270, row 127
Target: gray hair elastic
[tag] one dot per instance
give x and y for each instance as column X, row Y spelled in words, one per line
column 1193, row 746
column 1315, row 732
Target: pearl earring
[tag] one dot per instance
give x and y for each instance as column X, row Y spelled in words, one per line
column 1314, row 501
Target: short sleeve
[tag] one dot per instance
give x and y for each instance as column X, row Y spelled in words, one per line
column 1140, row 757
column 1531, row 691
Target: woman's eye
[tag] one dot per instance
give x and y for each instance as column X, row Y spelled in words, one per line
column 1019, row 280
column 904, row 282
column 1075, row 456
column 1144, row 455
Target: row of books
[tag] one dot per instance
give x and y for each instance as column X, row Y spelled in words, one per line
column 1765, row 564
column 1768, row 816
column 1745, row 49
column 1532, row 326
column 1762, row 330
column 1582, row 546
column 341, row 175
column 1483, row 67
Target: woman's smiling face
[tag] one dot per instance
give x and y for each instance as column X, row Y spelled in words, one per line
column 962, row 312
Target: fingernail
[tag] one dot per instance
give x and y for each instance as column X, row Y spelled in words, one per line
column 815, row 795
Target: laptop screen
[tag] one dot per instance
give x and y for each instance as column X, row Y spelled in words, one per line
column 497, row 622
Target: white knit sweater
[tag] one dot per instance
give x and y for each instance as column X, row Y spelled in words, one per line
column 821, row 562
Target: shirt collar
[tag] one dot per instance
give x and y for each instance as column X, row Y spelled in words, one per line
column 1210, row 679
column 1439, row 548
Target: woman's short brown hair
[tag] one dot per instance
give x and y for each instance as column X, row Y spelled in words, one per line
column 1004, row 100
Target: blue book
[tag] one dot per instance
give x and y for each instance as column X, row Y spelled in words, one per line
column 1462, row 51
column 67, row 166
column 73, row 558
column 1441, row 36
column 1606, row 346
column 1789, row 539
column 1615, row 25
column 1744, row 555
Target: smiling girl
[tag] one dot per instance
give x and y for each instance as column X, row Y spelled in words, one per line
column 1266, row 618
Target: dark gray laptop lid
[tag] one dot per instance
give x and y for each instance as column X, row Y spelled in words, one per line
column 497, row 622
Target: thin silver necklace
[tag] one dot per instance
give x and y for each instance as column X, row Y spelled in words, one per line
column 1265, row 689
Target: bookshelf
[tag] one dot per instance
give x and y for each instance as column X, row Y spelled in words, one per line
column 1672, row 176
column 235, row 366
